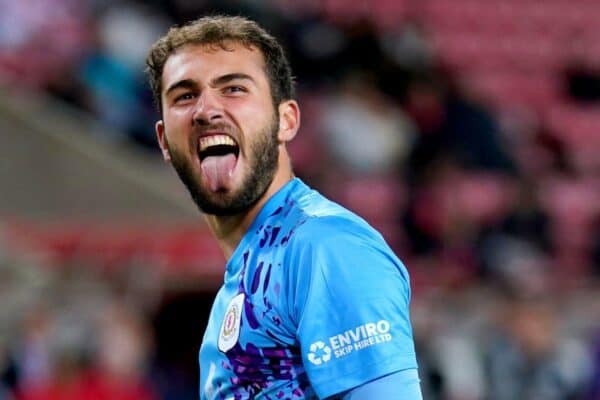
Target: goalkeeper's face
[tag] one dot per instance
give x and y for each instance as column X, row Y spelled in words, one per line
column 220, row 129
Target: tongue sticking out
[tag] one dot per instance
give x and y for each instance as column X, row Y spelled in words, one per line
column 218, row 170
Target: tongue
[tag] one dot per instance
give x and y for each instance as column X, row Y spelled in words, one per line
column 218, row 170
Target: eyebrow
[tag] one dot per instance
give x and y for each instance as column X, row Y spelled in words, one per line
column 221, row 80
column 231, row 77
column 182, row 84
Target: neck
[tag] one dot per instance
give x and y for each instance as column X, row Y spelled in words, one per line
column 230, row 230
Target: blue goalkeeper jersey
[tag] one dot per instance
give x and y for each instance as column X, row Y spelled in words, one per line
column 314, row 303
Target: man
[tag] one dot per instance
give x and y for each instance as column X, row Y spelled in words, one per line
column 314, row 303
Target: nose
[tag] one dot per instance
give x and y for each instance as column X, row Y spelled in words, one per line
column 208, row 109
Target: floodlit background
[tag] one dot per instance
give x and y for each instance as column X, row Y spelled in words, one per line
column 467, row 131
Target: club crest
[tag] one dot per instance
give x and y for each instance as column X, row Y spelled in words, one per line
column 230, row 327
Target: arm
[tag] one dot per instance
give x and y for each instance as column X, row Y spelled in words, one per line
column 401, row 385
column 351, row 302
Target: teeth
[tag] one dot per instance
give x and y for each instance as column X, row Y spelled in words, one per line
column 215, row 140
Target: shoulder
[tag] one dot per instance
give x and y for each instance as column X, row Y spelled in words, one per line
column 317, row 236
column 343, row 247
column 323, row 221
column 322, row 234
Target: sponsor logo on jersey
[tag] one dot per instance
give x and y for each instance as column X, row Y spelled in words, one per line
column 342, row 344
column 319, row 353
column 230, row 327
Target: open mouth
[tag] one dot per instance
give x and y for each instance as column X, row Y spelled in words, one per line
column 217, row 146
column 218, row 159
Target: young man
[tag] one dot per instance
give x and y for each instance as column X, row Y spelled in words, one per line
column 314, row 303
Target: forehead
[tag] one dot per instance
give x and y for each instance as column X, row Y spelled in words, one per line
column 204, row 62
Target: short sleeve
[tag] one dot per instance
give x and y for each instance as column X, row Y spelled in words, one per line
column 351, row 303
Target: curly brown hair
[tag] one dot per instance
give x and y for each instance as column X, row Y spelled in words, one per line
column 220, row 30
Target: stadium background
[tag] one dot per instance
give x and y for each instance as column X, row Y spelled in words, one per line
column 467, row 131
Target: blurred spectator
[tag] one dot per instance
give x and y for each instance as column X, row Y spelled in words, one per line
column 527, row 358
column 452, row 126
column 113, row 70
column 122, row 361
column 76, row 346
column 447, row 213
column 365, row 133
column 35, row 357
column 524, row 222
column 409, row 47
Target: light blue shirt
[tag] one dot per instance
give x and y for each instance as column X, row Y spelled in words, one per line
column 314, row 303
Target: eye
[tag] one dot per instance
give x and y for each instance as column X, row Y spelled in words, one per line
column 184, row 96
column 234, row 89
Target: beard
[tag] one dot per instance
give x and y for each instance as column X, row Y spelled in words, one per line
column 263, row 159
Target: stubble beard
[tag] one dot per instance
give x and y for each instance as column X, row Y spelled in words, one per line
column 263, row 161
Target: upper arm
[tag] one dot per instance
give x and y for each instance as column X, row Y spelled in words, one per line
column 352, row 311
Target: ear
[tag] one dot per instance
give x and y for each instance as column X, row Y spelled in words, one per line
column 289, row 120
column 162, row 140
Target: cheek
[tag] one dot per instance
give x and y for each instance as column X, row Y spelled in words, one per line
column 254, row 118
column 180, row 116
column 177, row 124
